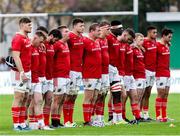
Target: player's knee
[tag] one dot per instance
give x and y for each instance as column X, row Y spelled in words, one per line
column 88, row 99
column 135, row 98
column 48, row 100
column 38, row 101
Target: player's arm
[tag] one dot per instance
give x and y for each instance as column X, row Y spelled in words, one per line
column 16, row 57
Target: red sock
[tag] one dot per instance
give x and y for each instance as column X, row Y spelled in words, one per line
column 135, row 110
column 22, row 114
column 110, row 110
column 15, row 114
column 55, row 116
column 124, row 110
column 158, row 106
column 66, row 111
column 46, row 113
column 99, row 108
column 87, row 112
column 118, row 108
column 32, row 118
column 92, row 110
column 164, row 108
column 71, row 110
column 39, row 117
column 145, row 108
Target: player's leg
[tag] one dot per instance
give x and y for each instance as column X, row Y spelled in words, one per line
column 48, row 96
column 59, row 97
column 16, row 106
column 162, row 84
column 110, row 108
column 116, row 89
column 47, row 91
column 18, row 110
column 124, row 98
column 27, row 106
column 134, row 103
column 38, row 102
column 32, row 119
column 140, row 83
column 133, row 95
column 97, row 88
column 72, row 93
column 150, row 79
column 99, row 106
column 87, row 101
column 164, row 104
column 24, row 110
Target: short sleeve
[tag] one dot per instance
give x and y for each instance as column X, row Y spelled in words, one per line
column 17, row 44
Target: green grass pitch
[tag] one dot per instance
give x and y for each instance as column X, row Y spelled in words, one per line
column 152, row 128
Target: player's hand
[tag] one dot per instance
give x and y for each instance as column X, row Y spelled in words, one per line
column 42, row 47
column 23, row 77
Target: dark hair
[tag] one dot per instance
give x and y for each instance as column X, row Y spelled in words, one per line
column 24, row 20
column 61, row 27
column 93, row 27
column 130, row 32
column 104, row 23
column 40, row 34
column 149, row 28
column 116, row 32
column 42, row 28
column 56, row 33
column 166, row 31
column 76, row 21
column 116, row 22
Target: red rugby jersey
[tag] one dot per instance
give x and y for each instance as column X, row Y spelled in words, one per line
column 22, row 44
column 35, row 65
column 163, row 60
column 42, row 61
column 150, row 54
column 61, row 60
column 139, row 66
column 49, row 60
column 76, row 47
column 92, row 63
column 122, row 51
column 129, row 65
column 113, row 45
column 104, row 54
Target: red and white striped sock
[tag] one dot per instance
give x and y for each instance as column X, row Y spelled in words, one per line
column 15, row 115
column 158, row 106
column 71, row 111
column 164, row 108
column 66, row 111
column 22, row 116
column 135, row 110
column 87, row 112
column 46, row 113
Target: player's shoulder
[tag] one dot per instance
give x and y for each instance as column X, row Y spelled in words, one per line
column 159, row 44
column 71, row 34
column 146, row 40
column 85, row 38
column 18, row 37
